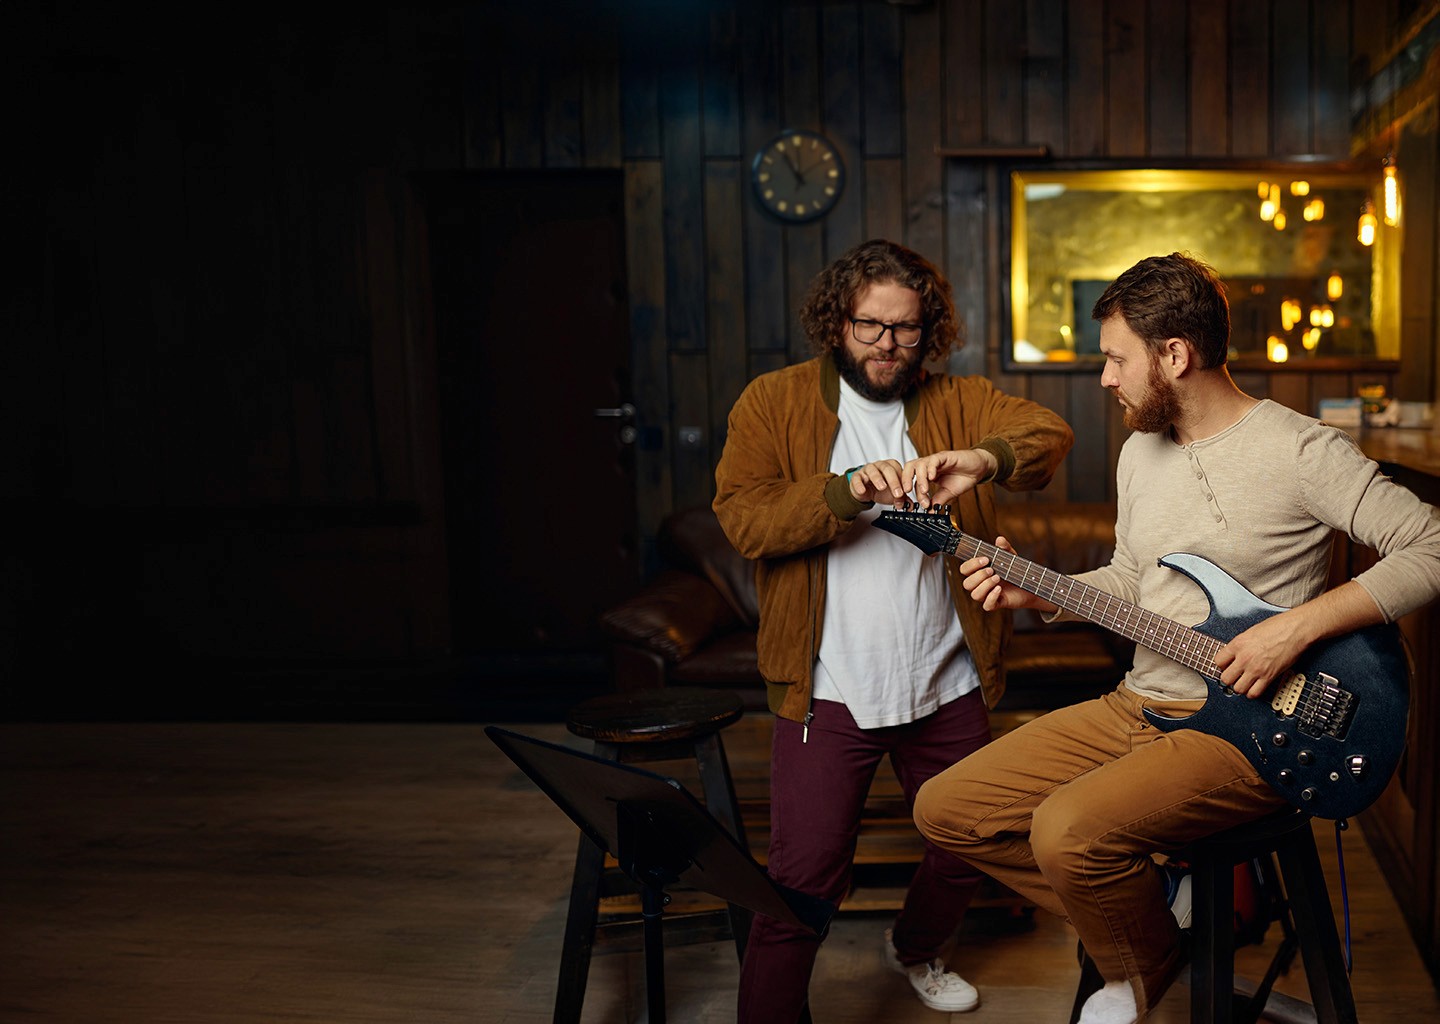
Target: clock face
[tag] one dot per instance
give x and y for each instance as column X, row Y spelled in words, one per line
column 798, row 176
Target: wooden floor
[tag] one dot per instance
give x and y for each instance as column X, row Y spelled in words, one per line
column 410, row 872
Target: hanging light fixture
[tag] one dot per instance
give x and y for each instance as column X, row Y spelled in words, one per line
column 1366, row 229
column 1334, row 286
column 1391, row 185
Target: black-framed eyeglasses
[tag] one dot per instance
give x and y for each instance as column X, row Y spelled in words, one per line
column 868, row 332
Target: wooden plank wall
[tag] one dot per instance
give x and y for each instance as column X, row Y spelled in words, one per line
column 229, row 307
column 890, row 83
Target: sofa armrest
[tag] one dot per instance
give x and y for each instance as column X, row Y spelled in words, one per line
column 673, row 616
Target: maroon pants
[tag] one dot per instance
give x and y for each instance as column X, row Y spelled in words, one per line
column 818, row 786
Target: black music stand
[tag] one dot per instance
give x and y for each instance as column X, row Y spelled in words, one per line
column 661, row 835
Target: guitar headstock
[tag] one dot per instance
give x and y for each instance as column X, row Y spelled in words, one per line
column 929, row 530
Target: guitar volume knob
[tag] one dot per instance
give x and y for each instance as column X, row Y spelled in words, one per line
column 1279, row 739
column 1305, row 757
column 1286, row 776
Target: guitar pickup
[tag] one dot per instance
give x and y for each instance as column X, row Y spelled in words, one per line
column 1287, row 695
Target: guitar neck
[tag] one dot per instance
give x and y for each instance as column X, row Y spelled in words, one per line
column 1180, row 643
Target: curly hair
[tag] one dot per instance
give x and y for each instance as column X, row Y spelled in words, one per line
column 1175, row 296
column 831, row 300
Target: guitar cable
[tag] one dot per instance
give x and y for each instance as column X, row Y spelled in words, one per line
column 1340, row 826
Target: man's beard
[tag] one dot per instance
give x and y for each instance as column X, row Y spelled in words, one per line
column 854, row 374
column 1160, row 407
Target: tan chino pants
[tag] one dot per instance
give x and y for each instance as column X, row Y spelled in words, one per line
column 1069, row 809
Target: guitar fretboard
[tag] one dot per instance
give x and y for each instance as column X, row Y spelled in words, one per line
column 1180, row 643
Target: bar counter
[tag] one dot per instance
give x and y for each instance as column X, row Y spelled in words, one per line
column 1402, row 826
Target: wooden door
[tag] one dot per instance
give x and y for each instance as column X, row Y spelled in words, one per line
column 533, row 332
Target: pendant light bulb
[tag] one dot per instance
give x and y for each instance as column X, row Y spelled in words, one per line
column 1391, row 185
column 1366, row 229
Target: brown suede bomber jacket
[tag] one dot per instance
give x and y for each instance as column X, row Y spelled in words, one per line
column 780, row 505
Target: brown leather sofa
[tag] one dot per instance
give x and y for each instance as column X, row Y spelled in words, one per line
column 694, row 623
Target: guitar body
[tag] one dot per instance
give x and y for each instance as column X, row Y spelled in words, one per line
column 1330, row 766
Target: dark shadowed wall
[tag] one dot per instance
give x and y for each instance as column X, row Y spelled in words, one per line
column 223, row 436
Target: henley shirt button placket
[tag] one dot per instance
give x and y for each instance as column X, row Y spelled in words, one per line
column 1209, row 494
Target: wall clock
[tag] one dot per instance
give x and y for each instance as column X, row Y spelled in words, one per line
column 798, row 176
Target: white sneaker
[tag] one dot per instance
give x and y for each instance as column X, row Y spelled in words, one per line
column 1112, row 1004
column 937, row 988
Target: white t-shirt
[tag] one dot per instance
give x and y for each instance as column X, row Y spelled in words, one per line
column 891, row 648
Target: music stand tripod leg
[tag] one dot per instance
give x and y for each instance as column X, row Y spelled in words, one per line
column 652, row 908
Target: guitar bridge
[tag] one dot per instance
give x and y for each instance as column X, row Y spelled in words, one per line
column 1325, row 708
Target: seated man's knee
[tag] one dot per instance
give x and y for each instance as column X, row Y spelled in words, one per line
column 932, row 813
column 1054, row 838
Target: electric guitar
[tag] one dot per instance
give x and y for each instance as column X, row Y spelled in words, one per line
column 1331, row 734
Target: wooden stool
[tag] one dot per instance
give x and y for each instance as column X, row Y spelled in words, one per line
column 1283, row 849
column 674, row 723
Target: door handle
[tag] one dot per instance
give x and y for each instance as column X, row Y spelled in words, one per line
column 622, row 412
column 625, row 413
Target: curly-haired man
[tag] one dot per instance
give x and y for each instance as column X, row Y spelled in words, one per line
column 868, row 647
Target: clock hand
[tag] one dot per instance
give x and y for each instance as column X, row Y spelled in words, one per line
column 790, row 160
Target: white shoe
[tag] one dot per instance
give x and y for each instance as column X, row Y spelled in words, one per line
column 1113, row 1004
column 937, row 988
